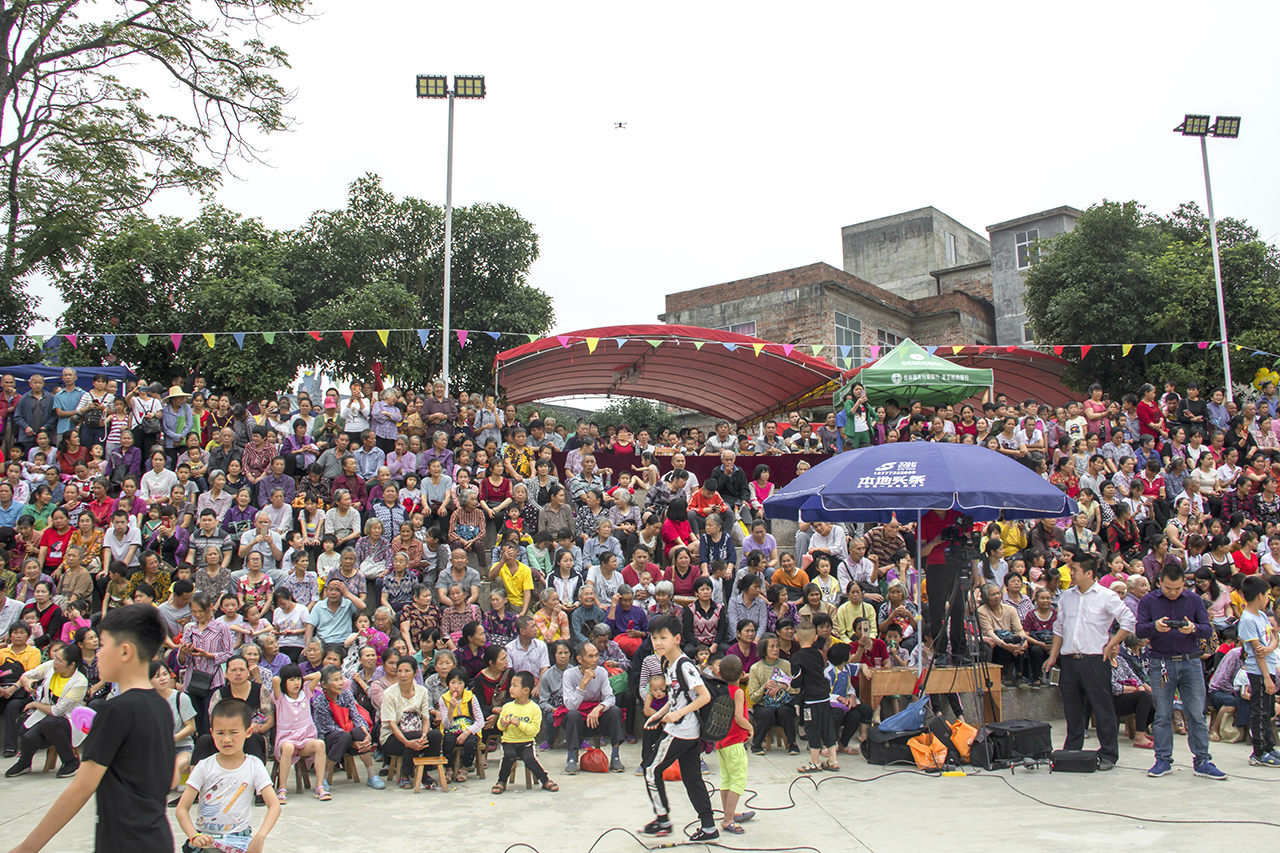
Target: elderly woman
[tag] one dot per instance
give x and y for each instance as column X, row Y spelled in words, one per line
column 772, row 701
column 664, row 602
column 341, row 724
column 384, row 420
column 745, row 647
column 348, row 572
column 342, row 520
column 437, row 490
column 539, row 485
column 704, row 619
column 550, row 619
column 419, row 617
column 813, row 604
column 397, row 585
column 529, row 509
column 373, row 551
column 500, row 619
column 627, row 620
column 750, row 603
column 455, row 617
column 467, row 526
column 1002, row 632
column 898, row 610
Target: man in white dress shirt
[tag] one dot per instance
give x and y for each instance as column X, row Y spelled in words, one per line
column 1082, row 639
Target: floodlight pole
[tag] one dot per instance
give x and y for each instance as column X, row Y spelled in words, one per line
column 1217, row 270
column 448, row 251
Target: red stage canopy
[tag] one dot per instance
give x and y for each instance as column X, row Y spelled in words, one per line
column 707, row 370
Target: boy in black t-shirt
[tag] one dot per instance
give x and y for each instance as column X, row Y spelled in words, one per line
column 127, row 757
column 808, row 673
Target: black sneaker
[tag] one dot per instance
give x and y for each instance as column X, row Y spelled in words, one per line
column 17, row 770
column 657, row 826
column 704, row 834
column 793, row 749
column 68, row 769
column 10, row 753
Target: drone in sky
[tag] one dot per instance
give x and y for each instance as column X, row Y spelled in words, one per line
column 619, row 125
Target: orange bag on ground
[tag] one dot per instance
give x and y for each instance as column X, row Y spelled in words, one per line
column 594, row 761
column 672, row 773
column 929, row 752
column 962, row 735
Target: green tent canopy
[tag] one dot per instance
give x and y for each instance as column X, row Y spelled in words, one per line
column 908, row 372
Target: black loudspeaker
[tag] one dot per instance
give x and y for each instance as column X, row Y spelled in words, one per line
column 999, row 745
column 1074, row 761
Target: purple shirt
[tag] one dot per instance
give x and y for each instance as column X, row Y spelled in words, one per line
column 1155, row 605
column 634, row 619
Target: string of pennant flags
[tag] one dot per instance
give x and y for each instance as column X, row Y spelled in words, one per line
column 840, row 352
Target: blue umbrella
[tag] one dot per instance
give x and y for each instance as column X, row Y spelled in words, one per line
column 911, row 478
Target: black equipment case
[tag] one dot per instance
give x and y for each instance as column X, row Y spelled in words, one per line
column 998, row 745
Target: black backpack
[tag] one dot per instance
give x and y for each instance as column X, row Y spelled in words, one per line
column 716, row 717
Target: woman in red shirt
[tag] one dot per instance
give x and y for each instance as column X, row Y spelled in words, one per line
column 54, row 540
column 1150, row 415
column 1246, row 559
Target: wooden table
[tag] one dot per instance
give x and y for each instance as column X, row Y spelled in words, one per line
column 875, row 684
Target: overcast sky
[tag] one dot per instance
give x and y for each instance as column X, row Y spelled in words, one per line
column 755, row 131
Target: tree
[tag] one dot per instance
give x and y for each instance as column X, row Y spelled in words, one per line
column 82, row 150
column 378, row 264
column 637, row 412
column 1125, row 275
column 220, row 274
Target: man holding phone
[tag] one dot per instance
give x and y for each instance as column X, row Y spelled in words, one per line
column 1175, row 620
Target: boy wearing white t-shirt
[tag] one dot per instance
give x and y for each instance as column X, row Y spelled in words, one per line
column 225, row 785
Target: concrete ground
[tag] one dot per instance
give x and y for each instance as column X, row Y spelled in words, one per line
column 905, row 811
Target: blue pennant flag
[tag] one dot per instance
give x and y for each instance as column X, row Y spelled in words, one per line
column 1148, row 350
column 731, row 347
column 239, row 336
column 846, row 352
column 494, row 335
column 423, row 334
column 931, row 350
column 109, row 341
column 620, row 341
column 9, row 340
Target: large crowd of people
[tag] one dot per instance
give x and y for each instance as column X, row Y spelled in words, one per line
column 379, row 573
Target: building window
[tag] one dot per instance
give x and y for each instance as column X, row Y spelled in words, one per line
column 952, row 253
column 1028, row 250
column 887, row 340
column 748, row 328
column 791, row 294
column 1027, row 336
column 849, row 334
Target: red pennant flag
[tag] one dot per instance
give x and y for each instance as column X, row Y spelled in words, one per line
column 1057, row 350
column 315, row 335
column 347, row 336
column 177, row 341
column 564, row 340
column 1010, row 349
column 982, row 350
column 1084, row 350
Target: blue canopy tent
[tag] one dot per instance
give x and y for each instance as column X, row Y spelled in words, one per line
column 52, row 374
column 908, row 479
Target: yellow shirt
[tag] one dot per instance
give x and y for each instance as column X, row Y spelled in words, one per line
column 525, row 722
column 57, row 684
column 28, row 657
column 516, row 583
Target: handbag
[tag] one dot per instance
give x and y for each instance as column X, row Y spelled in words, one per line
column 929, row 752
column 200, row 682
column 594, row 761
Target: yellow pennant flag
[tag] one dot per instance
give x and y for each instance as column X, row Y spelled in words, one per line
column 1239, row 347
column 383, row 334
column 758, row 348
column 698, row 345
column 208, row 339
column 956, row 350
column 654, row 343
column 591, row 344
column 1124, row 349
column 816, row 349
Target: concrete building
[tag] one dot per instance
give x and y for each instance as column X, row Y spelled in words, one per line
column 821, row 304
column 898, row 252
column 1014, row 247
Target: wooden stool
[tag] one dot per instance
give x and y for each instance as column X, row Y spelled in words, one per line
column 776, row 737
column 351, row 768
column 301, row 776
column 50, row 759
column 420, row 764
column 528, row 776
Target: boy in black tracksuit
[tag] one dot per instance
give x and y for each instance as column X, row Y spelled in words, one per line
column 808, row 673
column 686, row 693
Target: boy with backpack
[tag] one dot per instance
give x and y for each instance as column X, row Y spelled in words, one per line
column 682, row 732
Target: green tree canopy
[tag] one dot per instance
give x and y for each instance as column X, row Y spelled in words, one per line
column 637, row 412
column 378, row 264
column 1124, row 275
column 81, row 147
column 220, row 273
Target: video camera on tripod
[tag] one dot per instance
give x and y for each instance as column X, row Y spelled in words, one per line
column 961, row 541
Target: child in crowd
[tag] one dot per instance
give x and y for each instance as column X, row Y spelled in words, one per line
column 127, row 757
column 329, row 559
column 225, row 785
column 520, row 720
column 76, row 611
column 808, row 670
column 654, row 701
column 731, row 751
column 295, row 727
column 1260, row 641
column 851, row 717
column 460, row 721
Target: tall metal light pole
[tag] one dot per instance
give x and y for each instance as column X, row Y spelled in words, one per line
column 1226, row 127
column 437, row 86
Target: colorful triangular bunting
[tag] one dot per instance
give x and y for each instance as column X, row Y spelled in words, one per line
column 383, row 334
column 494, row 335
column 758, row 348
column 208, row 338
column 9, row 340
column 564, row 340
column 108, row 341
column 315, row 335
column 874, row 350
column 931, row 350
column 423, row 334
column 956, row 350
column 39, row 339
column 698, row 345
column 787, row 348
column 71, row 339
column 1148, row 349
column 270, row 337
column 592, row 343
column 730, row 347
column 1084, row 350
column 1124, row 349
column 177, row 341
column 143, row 339
column 1057, row 349
column 846, row 352
column 462, row 338
column 347, row 336
column 816, row 349
column 654, row 342
column 238, row 337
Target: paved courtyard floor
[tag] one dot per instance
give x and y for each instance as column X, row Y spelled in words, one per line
column 903, row 812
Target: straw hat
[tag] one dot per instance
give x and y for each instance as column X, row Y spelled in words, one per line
column 176, row 391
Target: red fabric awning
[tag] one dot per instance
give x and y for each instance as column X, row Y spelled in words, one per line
column 724, row 377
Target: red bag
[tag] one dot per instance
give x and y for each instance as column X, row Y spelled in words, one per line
column 594, row 761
